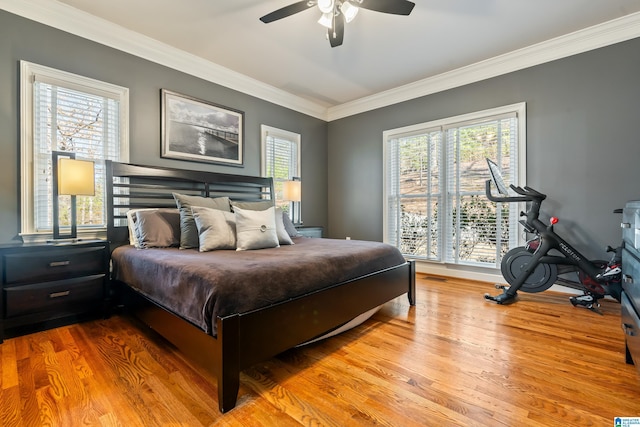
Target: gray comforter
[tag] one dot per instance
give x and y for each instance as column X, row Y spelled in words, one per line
column 199, row 286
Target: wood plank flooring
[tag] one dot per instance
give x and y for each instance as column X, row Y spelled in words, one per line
column 453, row 360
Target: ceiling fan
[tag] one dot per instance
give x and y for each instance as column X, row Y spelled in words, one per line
column 336, row 12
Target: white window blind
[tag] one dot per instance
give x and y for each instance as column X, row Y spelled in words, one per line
column 280, row 159
column 414, row 180
column 73, row 114
column 436, row 208
column 479, row 231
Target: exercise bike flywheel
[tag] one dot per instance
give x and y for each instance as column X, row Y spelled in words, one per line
column 515, row 261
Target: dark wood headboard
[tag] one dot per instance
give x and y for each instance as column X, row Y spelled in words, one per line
column 134, row 186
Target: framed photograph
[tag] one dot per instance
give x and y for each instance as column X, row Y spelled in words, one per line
column 201, row 131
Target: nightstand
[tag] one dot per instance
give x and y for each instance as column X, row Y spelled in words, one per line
column 310, row 231
column 50, row 284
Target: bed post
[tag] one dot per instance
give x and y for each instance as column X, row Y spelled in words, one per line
column 411, row 294
column 108, row 167
column 228, row 362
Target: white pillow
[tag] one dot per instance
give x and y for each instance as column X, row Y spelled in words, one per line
column 256, row 229
column 258, row 205
column 216, row 228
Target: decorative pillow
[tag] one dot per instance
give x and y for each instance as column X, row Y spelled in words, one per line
column 131, row 222
column 260, row 205
column 216, row 228
column 283, row 236
column 288, row 225
column 157, row 228
column 256, row 229
column 188, row 228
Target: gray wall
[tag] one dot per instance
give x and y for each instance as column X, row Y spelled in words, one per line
column 21, row 39
column 583, row 143
column 581, row 131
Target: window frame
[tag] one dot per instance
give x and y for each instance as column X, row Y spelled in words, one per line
column 519, row 109
column 28, row 71
column 265, row 132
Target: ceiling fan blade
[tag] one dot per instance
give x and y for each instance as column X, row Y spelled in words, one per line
column 396, row 7
column 287, row 11
column 336, row 34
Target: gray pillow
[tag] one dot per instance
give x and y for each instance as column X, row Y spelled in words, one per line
column 157, row 228
column 283, row 236
column 188, row 229
column 131, row 222
column 216, row 228
column 288, row 225
column 256, row 229
column 260, row 205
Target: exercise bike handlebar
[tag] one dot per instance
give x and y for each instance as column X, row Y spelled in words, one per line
column 526, row 194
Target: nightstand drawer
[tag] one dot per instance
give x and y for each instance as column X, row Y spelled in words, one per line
column 310, row 231
column 70, row 294
column 53, row 264
column 631, row 328
column 631, row 276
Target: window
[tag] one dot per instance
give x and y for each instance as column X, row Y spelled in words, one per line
column 281, row 161
column 65, row 112
column 435, row 173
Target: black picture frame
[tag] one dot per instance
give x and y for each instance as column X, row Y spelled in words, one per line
column 201, row 131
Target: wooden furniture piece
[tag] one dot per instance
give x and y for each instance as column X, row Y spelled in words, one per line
column 631, row 281
column 242, row 339
column 310, row 230
column 49, row 284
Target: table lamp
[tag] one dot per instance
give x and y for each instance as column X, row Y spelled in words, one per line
column 73, row 178
column 292, row 191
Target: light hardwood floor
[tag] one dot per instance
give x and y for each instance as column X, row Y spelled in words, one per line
column 453, row 360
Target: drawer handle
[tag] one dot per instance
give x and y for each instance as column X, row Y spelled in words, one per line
column 628, row 330
column 59, row 263
column 627, row 278
column 59, row 294
column 625, row 225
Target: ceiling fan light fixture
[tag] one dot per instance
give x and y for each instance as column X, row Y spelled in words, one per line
column 336, row 13
column 349, row 11
column 326, row 20
column 326, row 6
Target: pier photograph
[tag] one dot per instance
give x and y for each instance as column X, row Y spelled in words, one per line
column 200, row 131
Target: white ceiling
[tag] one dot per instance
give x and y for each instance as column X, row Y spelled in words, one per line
column 380, row 51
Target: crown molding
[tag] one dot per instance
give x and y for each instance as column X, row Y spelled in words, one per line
column 63, row 17
column 74, row 21
column 605, row 34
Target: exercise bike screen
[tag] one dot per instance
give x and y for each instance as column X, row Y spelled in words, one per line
column 496, row 177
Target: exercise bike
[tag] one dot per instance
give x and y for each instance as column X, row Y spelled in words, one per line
column 535, row 267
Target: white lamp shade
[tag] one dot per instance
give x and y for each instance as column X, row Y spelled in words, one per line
column 292, row 191
column 349, row 11
column 76, row 177
column 326, row 20
column 326, row 6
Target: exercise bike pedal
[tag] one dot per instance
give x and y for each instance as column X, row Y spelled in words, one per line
column 504, row 298
column 586, row 301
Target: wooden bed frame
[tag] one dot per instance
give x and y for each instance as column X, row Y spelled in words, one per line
column 243, row 339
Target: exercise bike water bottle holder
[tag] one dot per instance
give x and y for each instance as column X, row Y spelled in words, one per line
column 532, row 268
